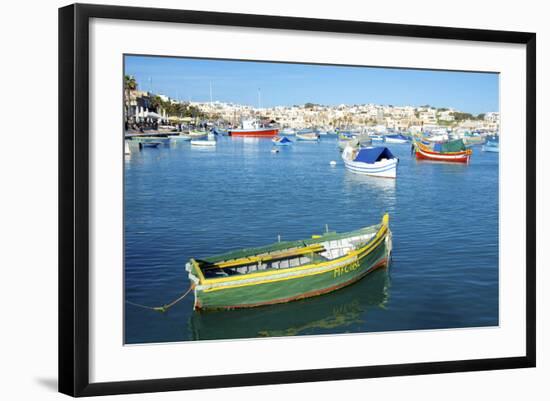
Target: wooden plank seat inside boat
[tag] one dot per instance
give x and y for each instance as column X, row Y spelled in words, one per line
column 279, row 259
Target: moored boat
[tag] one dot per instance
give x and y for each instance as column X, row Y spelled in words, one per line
column 281, row 141
column 376, row 161
column 308, row 136
column 288, row 131
column 157, row 139
column 182, row 137
column 492, row 145
column 203, row 142
column 397, row 138
column 198, row 134
column 220, row 131
column 449, row 152
column 252, row 128
column 149, row 144
column 166, row 129
column 439, row 138
column 345, row 140
column 473, row 139
column 288, row 271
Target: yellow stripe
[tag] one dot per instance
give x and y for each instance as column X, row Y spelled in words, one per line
column 254, row 259
column 198, row 271
column 380, row 233
column 361, row 254
column 290, row 277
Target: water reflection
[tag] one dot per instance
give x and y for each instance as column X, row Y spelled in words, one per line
column 352, row 181
column 331, row 313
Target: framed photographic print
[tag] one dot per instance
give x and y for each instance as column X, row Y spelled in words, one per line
column 250, row 199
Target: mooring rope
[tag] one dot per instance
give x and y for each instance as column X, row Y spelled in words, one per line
column 164, row 307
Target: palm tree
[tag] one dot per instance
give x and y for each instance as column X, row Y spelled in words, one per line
column 156, row 103
column 130, row 84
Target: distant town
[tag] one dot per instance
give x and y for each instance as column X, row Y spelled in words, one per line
column 140, row 105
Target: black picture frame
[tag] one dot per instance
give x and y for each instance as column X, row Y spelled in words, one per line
column 74, row 198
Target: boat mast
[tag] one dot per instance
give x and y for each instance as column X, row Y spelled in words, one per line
column 210, row 93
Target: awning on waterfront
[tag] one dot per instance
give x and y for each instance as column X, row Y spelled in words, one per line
column 153, row 115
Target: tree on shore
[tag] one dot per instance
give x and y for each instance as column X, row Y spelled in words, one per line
column 130, row 85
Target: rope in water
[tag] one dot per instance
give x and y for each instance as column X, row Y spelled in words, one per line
column 164, row 307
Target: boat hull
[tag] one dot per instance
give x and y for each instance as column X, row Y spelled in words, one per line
column 307, row 138
column 179, row 138
column 339, row 310
column 395, row 140
column 201, row 142
column 386, row 171
column 198, row 134
column 456, row 157
column 295, row 284
column 490, row 149
column 152, row 139
column 258, row 132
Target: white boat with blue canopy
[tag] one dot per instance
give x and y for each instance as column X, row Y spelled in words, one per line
column 377, row 161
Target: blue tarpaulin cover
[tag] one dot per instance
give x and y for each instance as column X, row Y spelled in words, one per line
column 372, row 155
column 284, row 140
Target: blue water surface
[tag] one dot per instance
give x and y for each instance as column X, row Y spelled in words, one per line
column 182, row 201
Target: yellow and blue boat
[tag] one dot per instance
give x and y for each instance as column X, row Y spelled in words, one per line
column 289, row 271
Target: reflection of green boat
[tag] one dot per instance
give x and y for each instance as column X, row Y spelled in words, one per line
column 338, row 313
column 289, row 271
column 148, row 139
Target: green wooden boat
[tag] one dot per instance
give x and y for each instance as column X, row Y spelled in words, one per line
column 289, row 271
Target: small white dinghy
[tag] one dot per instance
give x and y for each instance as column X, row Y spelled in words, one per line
column 203, row 142
column 376, row 161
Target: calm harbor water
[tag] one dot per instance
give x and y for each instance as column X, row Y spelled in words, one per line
column 183, row 202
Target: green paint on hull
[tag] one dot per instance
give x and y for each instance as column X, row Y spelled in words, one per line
column 293, row 288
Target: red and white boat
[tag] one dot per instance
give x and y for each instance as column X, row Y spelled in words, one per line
column 252, row 128
column 424, row 152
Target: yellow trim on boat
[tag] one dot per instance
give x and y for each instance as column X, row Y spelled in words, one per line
column 353, row 255
column 371, row 244
column 269, row 256
column 198, row 270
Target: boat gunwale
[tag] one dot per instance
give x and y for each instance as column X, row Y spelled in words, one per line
column 255, row 251
column 315, row 269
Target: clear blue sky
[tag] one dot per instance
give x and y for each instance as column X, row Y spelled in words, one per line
column 288, row 84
